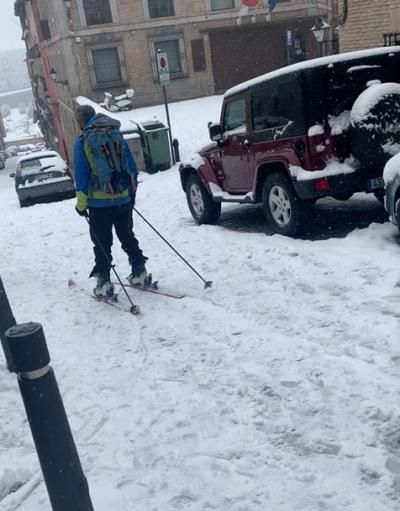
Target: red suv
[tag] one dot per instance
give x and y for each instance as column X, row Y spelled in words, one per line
column 320, row 128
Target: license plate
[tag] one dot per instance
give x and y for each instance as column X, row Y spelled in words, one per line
column 376, row 183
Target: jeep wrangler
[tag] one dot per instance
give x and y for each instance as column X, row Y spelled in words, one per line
column 320, row 128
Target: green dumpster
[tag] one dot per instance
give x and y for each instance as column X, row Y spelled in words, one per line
column 156, row 148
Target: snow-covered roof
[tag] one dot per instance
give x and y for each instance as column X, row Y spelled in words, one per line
column 330, row 60
column 38, row 154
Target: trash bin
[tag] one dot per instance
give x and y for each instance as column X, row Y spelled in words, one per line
column 155, row 143
column 134, row 140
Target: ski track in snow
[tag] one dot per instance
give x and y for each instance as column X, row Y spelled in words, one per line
column 275, row 390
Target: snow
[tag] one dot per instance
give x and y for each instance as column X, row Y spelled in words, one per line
column 277, row 389
column 218, row 193
column 45, row 182
column 392, row 168
column 333, row 168
column 328, row 61
column 194, row 160
column 391, row 148
column 339, row 123
column 361, row 68
column 369, row 98
column 19, row 126
column 315, row 130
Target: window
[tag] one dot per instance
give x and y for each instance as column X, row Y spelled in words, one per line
column 173, row 45
column 391, row 39
column 161, row 8
column 235, row 115
column 106, row 64
column 274, row 111
column 97, row 12
column 217, row 5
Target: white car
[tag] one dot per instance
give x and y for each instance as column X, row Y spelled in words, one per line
column 42, row 176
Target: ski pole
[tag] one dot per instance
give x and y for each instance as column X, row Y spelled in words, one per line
column 207, row 283
column 134, row 308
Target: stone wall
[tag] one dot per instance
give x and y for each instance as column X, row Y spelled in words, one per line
column 366, row 23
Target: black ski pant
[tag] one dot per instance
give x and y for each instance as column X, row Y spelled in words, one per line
column 101, row 222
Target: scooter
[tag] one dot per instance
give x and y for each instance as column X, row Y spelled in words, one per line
column 120, row 103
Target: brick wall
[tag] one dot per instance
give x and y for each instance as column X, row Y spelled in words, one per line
column 367, row 21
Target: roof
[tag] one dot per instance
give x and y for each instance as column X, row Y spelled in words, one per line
column 309, row 64
column 38, row 154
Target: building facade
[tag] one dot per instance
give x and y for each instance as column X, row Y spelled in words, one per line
column 93, row 46
column 368, row 24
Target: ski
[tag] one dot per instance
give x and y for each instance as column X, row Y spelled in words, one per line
column 152, row 290
column 113, row 302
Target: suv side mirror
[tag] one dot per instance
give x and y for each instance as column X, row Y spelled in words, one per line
column 215, row 132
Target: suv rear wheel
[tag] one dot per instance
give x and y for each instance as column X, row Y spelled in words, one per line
column 204, row 210
column 282, row 207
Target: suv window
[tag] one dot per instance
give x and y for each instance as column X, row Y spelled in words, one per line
column 274, row 109
column 235, row 116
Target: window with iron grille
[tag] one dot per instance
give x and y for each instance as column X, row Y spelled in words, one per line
column 217, row 5
column 107, row 65
column 97, row 12
column 391, row 39
column 161, row 8
column 173, row 45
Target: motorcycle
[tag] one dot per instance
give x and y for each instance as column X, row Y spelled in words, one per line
column 121, row 103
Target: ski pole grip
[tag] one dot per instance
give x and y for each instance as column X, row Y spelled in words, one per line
column 28, row 349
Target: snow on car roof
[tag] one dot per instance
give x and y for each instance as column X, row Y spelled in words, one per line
column 330, row 60
column 38, row 154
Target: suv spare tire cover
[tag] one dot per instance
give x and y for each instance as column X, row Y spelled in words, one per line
column 375, row 125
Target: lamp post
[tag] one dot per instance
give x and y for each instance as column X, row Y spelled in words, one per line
column 320, row 30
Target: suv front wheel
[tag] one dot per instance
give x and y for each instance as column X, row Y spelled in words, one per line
column 282, row 207
column 204, row 210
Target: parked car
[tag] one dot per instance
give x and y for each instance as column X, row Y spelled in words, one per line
column 391, row 175
column 320, row 128
column 42, row 176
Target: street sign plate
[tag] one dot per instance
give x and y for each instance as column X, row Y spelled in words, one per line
column 163, row 68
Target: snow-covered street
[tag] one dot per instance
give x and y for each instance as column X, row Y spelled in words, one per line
column 276, row 390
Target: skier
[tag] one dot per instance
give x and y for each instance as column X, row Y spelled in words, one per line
column 105, row 177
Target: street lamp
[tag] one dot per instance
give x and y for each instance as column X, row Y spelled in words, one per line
column 320, row 30
column 53, row 74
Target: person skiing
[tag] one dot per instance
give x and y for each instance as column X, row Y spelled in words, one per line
column 105, row 176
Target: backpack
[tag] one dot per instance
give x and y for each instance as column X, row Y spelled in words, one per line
column 104, row 149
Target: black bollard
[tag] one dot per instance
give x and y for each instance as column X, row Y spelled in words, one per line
column 66, row 484
column 7, row 320
column 175, row 145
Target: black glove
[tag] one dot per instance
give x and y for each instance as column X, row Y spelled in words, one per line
column 83, row 212
column 133, row 199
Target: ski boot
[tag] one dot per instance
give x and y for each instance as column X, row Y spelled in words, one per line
column 140, row 278
column 104, row 289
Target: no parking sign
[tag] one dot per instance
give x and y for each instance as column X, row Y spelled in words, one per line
column 163, row 68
